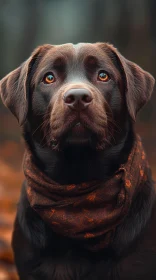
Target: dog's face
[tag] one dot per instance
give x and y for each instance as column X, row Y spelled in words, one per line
column 76, row 94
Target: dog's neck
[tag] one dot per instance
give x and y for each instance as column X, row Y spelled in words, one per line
column 80, row 164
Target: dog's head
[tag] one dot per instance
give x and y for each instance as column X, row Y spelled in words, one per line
column 76, row 94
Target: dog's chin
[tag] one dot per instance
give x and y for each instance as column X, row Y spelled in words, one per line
column 78, row 136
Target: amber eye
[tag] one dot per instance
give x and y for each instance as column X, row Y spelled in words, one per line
column 103, row 76
column 49, row 78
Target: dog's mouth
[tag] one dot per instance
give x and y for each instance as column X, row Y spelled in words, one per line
column 79, row 134
column 83, row 130
column 79, row 130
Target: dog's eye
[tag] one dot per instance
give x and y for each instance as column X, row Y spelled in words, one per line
column 49, row 78
column 103, row 76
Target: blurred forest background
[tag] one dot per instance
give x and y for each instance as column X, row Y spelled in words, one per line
column 24, row 24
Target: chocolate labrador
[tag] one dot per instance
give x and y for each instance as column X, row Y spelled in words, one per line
column 87, row 208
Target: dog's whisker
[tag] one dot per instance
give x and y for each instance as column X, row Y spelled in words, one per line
column 40, row 126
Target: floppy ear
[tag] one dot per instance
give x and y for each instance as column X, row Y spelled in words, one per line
column 14, row 88
column 138, row 83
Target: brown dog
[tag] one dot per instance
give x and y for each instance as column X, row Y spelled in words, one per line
column 87, row 206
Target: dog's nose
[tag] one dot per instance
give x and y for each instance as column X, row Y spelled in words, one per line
column 78, row 98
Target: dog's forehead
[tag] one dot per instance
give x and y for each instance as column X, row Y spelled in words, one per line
column 74, row 52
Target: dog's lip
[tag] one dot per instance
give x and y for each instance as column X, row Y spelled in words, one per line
column 78, row 134
column 78, row 128
column 78, row 124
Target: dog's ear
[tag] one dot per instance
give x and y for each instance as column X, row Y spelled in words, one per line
column 138, row 83
column 14, row 88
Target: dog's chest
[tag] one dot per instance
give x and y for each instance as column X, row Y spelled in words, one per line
column 67, row 269
column 140, row 265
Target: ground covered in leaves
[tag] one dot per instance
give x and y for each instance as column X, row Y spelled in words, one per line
column 11, row 177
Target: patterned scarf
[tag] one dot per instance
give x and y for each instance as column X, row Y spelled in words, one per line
column 90, row 211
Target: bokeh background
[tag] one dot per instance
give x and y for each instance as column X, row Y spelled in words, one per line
column 24, row 24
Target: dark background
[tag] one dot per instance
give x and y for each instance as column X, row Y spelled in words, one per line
column 24, row 24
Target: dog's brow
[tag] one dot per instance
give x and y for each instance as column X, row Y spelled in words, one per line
column 91, row 60
column 92, row 52
column 59, row 62
column 57, row 57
